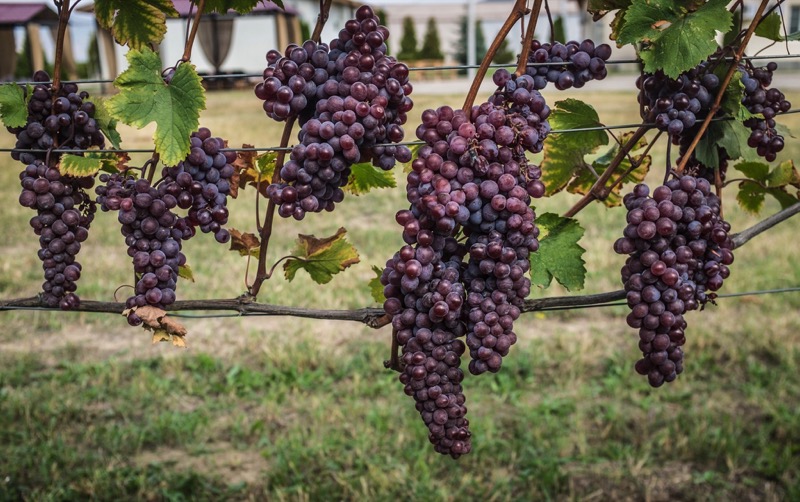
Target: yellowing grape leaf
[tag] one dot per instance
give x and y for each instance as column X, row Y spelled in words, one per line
column 564, row 152
column 105, row 122
column 375, row 286
column 364, row 177
column 253, row 168
column 185, row 272
column 137, row 23
column 245, row 243
column 582, row 183
column 676, row 38
column 90, row 163
column 13, row 105
column 144, row 97
column 559, row 255
column 321, row 258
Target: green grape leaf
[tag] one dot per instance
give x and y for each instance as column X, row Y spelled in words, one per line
column 770, row 27
column 364, row 177
column 137, row 23
column 784, row 131
column 677, row 38
column 375, row 286
column 105, row 122
column 144, row 97
column 793, row 37
column 751, row 196
column 240, row 6
column 246, row 244
column 599, row 8
column 728, row 134
column 586, row 179
column 564, row 153
column 185, row 272
column 559, row 255
column 13, row 105
column 89, row 164
column 784, row 174
column 321, row 258
column 758, row 171
column 736, row 28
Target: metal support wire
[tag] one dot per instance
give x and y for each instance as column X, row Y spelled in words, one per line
column 174, row 313
column 224, row 76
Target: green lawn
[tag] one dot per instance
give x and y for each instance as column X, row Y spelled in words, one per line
column 294, row 409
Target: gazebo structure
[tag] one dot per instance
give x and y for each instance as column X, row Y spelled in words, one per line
column 31, row 16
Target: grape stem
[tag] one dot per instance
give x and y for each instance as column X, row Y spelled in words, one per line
column 324, row 10
column 598, row 190
column 522, row 64
column 63, row 19
column 394, row 360
column 635, row 164
column 517, row 13
column 187, row 50
column 266, row 230
column 737, row 57
column 149, row 167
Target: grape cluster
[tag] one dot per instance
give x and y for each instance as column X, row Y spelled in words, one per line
column 424, row 296
column 153, row 242
column 760, row 99
column 63, row 119
column 471, row 175
column 567, row 65
column 679, row 251
column 63, row 214
column 678, row 104
column 351, row 100
column 201, row 184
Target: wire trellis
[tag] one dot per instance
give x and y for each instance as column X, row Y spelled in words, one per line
column 174, row 313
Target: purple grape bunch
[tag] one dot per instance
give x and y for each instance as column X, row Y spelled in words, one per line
column 572, row 64
column 679, row 250
column 471, row 176
column 154, row 245
column 64, row 212
column 351, row 100
column 678, row 106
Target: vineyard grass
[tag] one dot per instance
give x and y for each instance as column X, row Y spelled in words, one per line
column 265, row 408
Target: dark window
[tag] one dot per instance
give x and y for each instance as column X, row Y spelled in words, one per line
column 794, row 19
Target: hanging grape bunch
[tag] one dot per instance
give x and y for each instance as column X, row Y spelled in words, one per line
column 350, row 98
column 567, row 65
column 62, row 119
column 153, row 232
column 679, row 251
column 64, row 212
